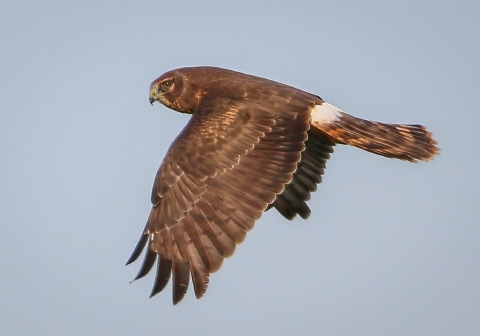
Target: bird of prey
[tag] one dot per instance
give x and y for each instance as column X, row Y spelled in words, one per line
column 251, row 144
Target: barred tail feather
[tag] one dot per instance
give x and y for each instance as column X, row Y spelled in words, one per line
column 404, row 142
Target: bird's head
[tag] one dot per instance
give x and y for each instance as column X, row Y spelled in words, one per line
column 177, row 90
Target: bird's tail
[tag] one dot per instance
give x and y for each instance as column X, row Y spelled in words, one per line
column 404, row 142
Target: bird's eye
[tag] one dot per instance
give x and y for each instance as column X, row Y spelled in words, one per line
column 165, row 86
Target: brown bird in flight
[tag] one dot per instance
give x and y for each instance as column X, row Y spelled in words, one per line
column 250, row 145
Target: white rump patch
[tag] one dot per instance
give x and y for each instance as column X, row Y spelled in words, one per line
column 325, row 113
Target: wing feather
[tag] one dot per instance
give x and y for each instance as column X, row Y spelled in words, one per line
column 181, row 276
column 200, row 274
column 292, row 200
column 233, row 232
column 194, row 235
column 223, row 247
column 164, row 270
column 148, row 262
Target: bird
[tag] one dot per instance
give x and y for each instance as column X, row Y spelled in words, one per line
column 251, row 144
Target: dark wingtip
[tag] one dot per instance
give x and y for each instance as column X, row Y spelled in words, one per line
column 138, row 249
column 147, row 265
column 303, row 210
column 164, row 270
column 181, row 279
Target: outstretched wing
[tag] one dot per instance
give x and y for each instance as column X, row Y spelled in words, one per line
column 229, row 163
column 292, row 200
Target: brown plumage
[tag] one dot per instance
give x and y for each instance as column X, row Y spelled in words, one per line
column 251, row 144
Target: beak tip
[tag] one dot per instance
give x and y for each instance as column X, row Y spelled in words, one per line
column 151, row 100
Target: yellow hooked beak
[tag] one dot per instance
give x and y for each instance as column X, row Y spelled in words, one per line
column 152, row 97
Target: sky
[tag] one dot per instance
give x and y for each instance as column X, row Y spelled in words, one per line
column 391, row 248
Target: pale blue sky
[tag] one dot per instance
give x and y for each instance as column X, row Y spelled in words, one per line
column 391, row 248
